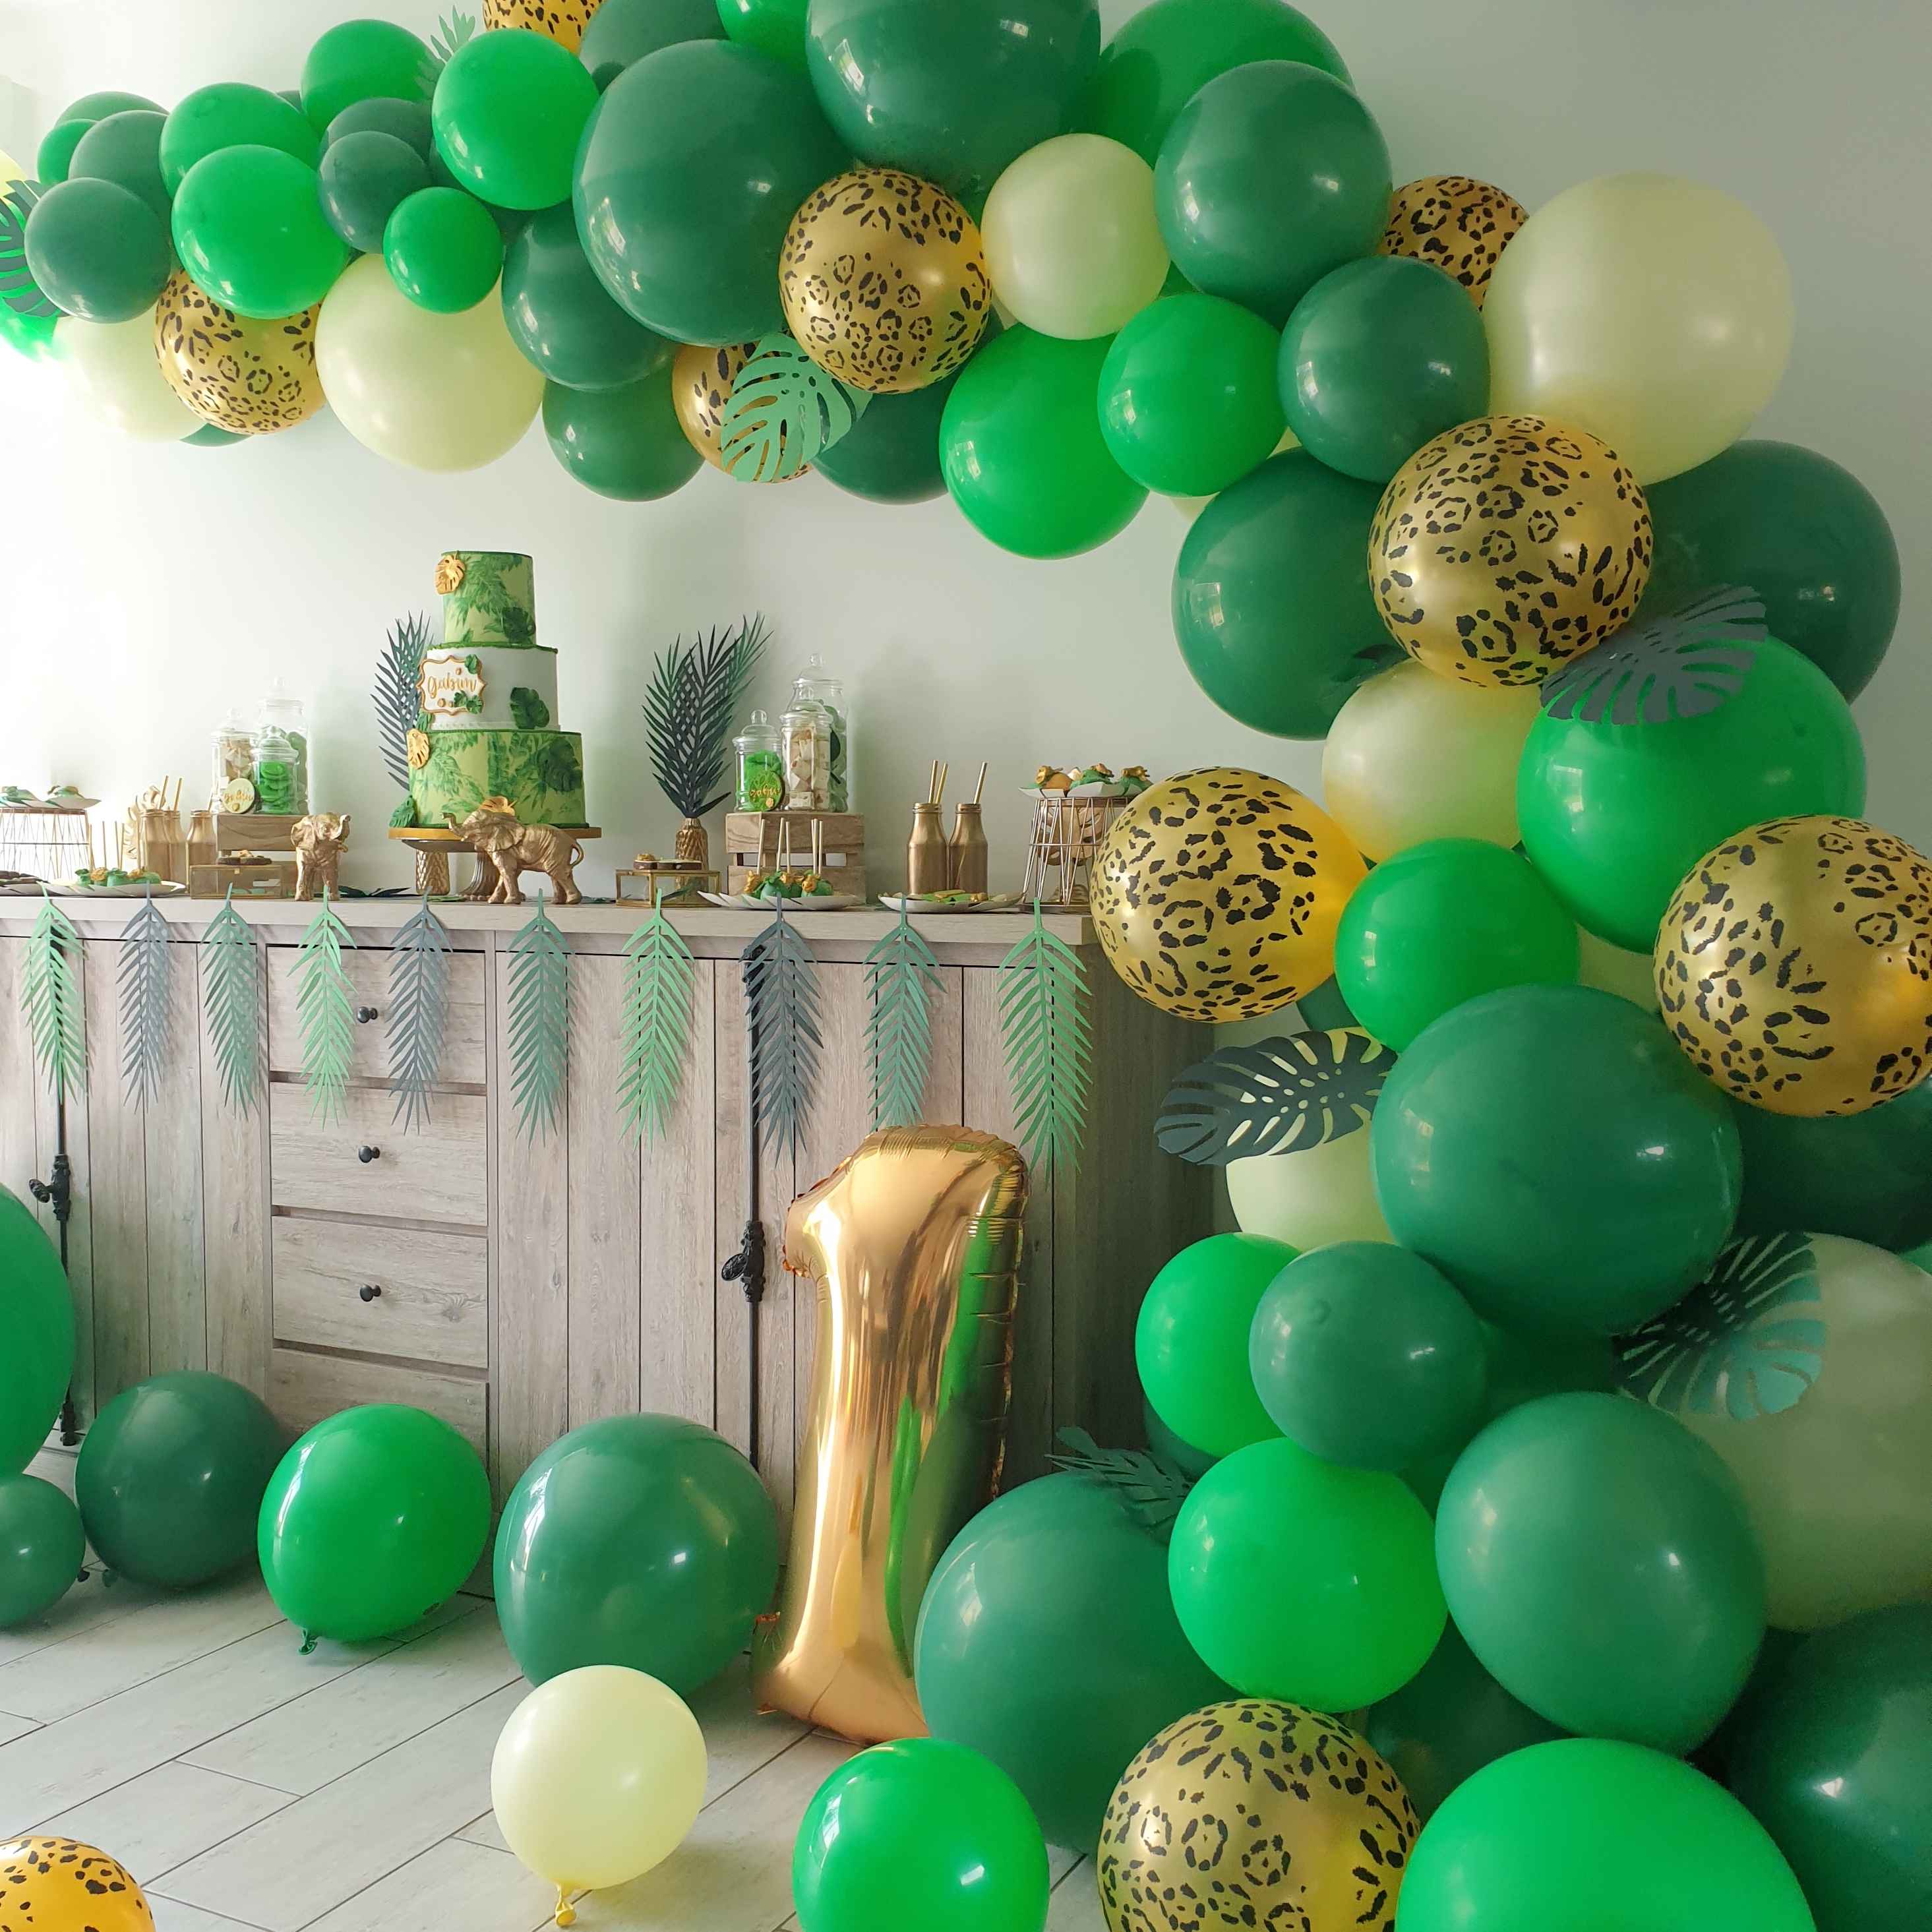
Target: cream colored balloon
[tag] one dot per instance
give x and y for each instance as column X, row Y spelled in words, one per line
column 597, row 1777
column 1413, row 755
column 434, row 391
column 1308, row 1196
column 1653, row 311
column 1072, row 243
column 114, row 373
column 1631, row 976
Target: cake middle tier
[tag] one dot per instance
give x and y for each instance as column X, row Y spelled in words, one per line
column 488, row 687
column 540, row 772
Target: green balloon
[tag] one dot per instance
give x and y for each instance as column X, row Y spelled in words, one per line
column 1615, row 815
column 1599, row 1560
column 562, row 316
column 250, row 231
column 951, row 93
column 406, row 120
column 622, row 32
column 1837, row 1766
column 1324, row 1010
column 212, row 436
column 508, row 110
column 1553, row 1153
column 1048, row 1642
column 92, row 107
column 774, row 27
column 891, row 454
column 1584, row 1834
column 644, row 1540
column 920, row 1832
column 1272, row 607
column 1271, row 177
column 171, row 1475
column 125, row 147
column 1187, row 395
column 36, row 1317
column 1439, row 923
column 364, row 60
column 1191, row 1461
column 1300, row 1579
column 365, row 176
column 443, row 250
column 690, row 170
column 56, row 150
column 1805, row 534
column 41, row 1548
column 1364, row 1355
column 230, row 114
column 97, row 250
column 626, row 443
column 372, row 1519
column 1191, row 1340
column 1166, row 53
column 1378, row 357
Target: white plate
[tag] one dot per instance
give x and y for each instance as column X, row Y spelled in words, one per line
column 820, row 902
column 74, row 888
column 998, row 902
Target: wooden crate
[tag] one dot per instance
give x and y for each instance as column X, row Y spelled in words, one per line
column 755, row 842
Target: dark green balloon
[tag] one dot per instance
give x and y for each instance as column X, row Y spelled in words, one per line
column 624, row 443
column 91, row 107
column 951, row 93
column 1048, row 1642
column 1379, row 356
column 1272, row 607
column 644, row 1540
column 41, row 1548
column 891, row 454
column 170, row 1477
column 562, row 316
column 407, row 120
column 366, row 175
column 774, row 27
column 1324, row 1010
column 1804, row 533
column 125, row 147
column 622, row 32
column 56, row 150
column 1271, row 177
column 36, row 1317
column 1163, row 1441
column 97, row 250
column 212, row 436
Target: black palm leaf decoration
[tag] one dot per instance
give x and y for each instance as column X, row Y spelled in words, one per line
column 1298, row 1091
column 688, row 706
column 1685, row 665
column 397, row 698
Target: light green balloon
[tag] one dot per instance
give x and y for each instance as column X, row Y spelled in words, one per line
column 250, row 230
column 507, row 112
column 443, row 250
column 231, row 114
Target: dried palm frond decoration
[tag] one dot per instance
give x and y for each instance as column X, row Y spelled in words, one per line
column 141, row 975
column 659, row 978
column 1044, row 1026
column 396, row 695
column 324, row 1011
column 50, row 993
column 902, row 977
column 418, row 1012
column 692, row 698
column 781, row 1007
column 539, row 984
column 232, row 996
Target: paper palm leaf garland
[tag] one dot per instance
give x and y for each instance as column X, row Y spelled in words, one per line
column 902, row 977
column 396, row 695
column 1044, row 1026
column 1150, row 1488
column 231, row 998
column 324, row 1011
column 142, row 974
column 50, row 993
column 783, row 409
column 658, row 990
column 539, row 1023
column 781, row 1008
column 418, row 1012
column 1686, row 665
column 1298, row 1091
column 692, row 698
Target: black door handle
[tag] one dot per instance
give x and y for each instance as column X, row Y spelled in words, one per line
column 366, row 1155
column 368, row 1291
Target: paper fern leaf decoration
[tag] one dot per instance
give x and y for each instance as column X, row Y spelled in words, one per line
column 1150, row 1488
column 142, row 974
column 1298, row 1091
column 324, row 1011
column 783, row 409
column 397, row 698
column 1684, row 665
column 689, row 704
column 781, row 1007
column 539, row 1023
column 452, row 30
column 902, row 977
column 232, row 996
column 418, row 1012
column 50, row 992
column 1044, row 1024
column 658, row 990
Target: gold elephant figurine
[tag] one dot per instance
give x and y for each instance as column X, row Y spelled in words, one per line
column 318, row 840
column 507, row 848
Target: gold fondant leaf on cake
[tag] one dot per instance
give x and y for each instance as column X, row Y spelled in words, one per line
column 450, row 570
column 418, row 745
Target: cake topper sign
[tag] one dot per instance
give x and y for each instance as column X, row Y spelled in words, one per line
column 451, row 684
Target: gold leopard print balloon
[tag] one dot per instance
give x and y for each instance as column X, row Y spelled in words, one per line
column 246, row 376
column 1794, row 966
column 883, row 281
column 1507, row 547
column 700, row 386
column 563, row 20
column 59, row 1885
column 1217, row 894
column 1254, row 1814
column 1455, row 224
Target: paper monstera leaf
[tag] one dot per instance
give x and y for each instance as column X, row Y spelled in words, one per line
column 1296, row 1091
column 1685, row 665
column 783, row 409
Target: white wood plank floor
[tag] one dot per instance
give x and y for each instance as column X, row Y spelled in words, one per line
column 250, row 1788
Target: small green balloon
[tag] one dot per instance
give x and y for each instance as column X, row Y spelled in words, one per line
column 125, row 147
column 626, row 443
column 1300, row 1579
column 38, row 1358
column 774, row 27
column 230, row 114
column 563, row 317
column 42, row 1548
column 1187, row 395
column 443, row 250
column 920, row 1832
column 1378, row 358
column 509, row 108
column 56, row 150
column 365, row 176
column 363, row 60
column 97, row 250
column 406, row 120
column 622, row 32
column 250, row 228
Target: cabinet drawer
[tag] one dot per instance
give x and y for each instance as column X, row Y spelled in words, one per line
column 302, row 1389
column 369, row 974
column 432, row 1298
column 437, row 1173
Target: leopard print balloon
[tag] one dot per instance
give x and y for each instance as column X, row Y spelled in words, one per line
column 246, row 376
column 563, row 21
column 1217, row 894
column 1794, row 967
column 1507, row 547
column 701, row 386
column 1254, row 1814
column 1455, row 224
column 51, row 1885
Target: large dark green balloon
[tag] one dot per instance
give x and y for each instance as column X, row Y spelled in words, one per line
column 624, row 443
column 365, row 176
column 691, row 170
column 563, row 317
column 170, row 1478
column 1836, row 1762
column 1048, row 1643
column 952, row 93
column 97, row 250
column 41, row 1548
column 407, row 120
column 622, row 32
column 891, row 454
column 1550, row 1151
column 125, row 147
column 1805, row 534
column 641, row 1539
column 1272, row 607
column 37, row 1319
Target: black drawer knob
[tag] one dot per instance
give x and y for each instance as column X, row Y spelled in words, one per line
column 364, row 1015
column 366, row 1155
column 368, row 1291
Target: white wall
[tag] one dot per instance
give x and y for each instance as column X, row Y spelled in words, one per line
column 141, row 589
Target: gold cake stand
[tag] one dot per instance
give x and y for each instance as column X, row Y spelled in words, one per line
column 433, row 844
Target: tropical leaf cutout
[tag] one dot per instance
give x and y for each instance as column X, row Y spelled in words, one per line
column 324, row 1011
column 1045, row 1031
column 783, row 409
column 50, row 994
column 528, row 712
column 693, row 696
column 901, row 977
column 397, row 698
column 141, row 975
column 1296, row 1090
column 1150, row 1488
column 781, row 1007
column 1729, row 1347
column 1685, row 665
column 539, row 984
column 452, row 30
column 231, row 999
column 418, row 1012
column 659, row 986
column 18, row 291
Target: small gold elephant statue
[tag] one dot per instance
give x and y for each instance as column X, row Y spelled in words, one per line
column 318, row 840
column 507, row 848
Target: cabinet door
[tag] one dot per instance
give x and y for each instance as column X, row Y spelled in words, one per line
column 368, row 970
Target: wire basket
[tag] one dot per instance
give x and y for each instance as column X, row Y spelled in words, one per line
column 1067, row 832
column 48, row 842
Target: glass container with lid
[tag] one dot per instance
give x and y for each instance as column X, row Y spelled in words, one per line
column 761, row 776
column 815, row 686
column 285, row 717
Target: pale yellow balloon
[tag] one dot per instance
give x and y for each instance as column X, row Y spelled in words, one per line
column 1071, row 241
column 117, row 377
column 1309, row 1197
column 1653, row 311
column 433, row 392
column 1412, row 755
column 597, row 1777
column 1631, row 976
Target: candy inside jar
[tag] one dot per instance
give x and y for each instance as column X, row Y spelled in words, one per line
column 761, row 771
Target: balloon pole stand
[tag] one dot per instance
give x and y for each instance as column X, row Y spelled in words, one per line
column 58, row 1193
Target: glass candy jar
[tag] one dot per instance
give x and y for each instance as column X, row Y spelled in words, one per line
column 761, row 774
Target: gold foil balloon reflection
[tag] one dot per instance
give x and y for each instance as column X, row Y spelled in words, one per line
column 1455, row 224
column 914, row 1245
column 248, row 377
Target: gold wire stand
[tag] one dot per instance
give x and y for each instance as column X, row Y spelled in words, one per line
column 49, row 841
column 1067, row 832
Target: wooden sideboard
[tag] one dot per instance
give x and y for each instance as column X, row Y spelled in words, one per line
column 524, row 1285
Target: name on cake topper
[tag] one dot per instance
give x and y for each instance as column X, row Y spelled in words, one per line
column 451, row 685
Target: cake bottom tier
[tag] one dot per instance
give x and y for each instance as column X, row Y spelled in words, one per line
column 540, row 772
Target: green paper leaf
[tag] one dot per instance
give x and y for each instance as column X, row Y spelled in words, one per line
column 142, row 973
column 783, row 409
column 657, row 992
column 50, row 996
column 1044, row 1025
column 1299, row 1091
column 1686, row 665
column 397, row 697
column 1149, row 1487
column 452, row 30
column 528, row 712
column 692, row 698
column 418, row 1012
column 539, row 987
column 237, row 1014
column 902, row 977
column 325, row 1012
column 781, row 1008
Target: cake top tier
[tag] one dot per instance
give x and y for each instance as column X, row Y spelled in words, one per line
column 489, row 597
